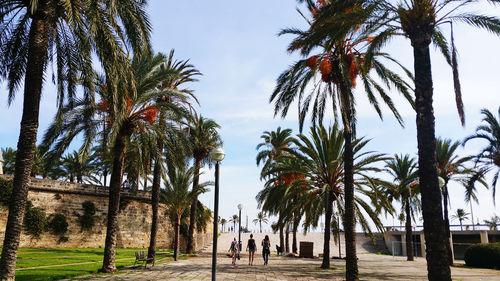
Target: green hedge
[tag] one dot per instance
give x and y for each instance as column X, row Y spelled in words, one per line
column 483, row 255
column 35, row 220
column 5, row 191
column 87, row 219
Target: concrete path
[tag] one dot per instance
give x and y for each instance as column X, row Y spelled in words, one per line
column 372, row 267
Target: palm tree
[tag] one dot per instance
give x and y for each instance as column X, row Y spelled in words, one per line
column 311, row 175
column 461, row 215
column 450, row 167
column 489, row 158
column 186, row 73
column 420, row 21
column 261, row 218
column 223, row 223
column 341, row 61
column 177, row 196
column 9, row 160
column 70, row 34
column 403, row 188
column 75, row 167
column 203, row 137
column 234, row 220
column 136, row 116
column 493, row 222
column 274, row 142
column 273, row 146
column 470, row 190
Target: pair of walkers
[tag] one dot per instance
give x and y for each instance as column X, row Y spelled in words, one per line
column 252, row 248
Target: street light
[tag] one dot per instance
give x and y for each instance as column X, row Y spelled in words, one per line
column 240, row 207
column 217, row 154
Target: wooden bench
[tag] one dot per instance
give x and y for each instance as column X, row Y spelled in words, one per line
column 142, row 257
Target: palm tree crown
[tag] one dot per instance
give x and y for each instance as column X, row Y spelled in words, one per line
column 489, row 158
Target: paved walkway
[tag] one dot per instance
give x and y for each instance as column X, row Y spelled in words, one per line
column 372, row 267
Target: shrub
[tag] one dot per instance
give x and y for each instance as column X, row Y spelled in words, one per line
column 5, row 191
column 483, row 255
column 58, row 224
column 87, row 219
column 35, row 220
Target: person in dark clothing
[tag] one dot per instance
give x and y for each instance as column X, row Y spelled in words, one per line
column 266, row 244
column 251, row 248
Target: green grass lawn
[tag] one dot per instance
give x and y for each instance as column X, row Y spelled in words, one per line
column 29, row 257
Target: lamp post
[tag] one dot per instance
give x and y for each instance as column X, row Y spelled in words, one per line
column 217, row 154
column 240, row 207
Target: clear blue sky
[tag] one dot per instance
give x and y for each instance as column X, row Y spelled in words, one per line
column 234, row 45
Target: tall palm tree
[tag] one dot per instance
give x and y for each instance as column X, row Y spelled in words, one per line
column 203, row 137
column 274, row 142
column 70, row 34
column 403, row 188
column 460, row 215
column 177, row 196
column 312, row 176
column 261, row 218
column 223, row 222
column 234, row 220
column 186, row 73
column 488, row 160
column 421, row 22
column 341, row 62
column 450, row 167
column 136, row 116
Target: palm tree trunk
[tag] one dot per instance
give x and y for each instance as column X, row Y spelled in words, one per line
column 472, row 216
column 194, row 206
column 155, row 200
column 326, row 239
column 287, row 238
column 447, row 222
column 119, row 150
column 282, row 237
column 296, row 224
column 409, row 234
column 176, row 237
column 37, row 55
column 435, row 236
column 352, row 273
column 260, row 225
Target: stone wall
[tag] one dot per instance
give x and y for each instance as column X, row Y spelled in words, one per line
column 67, row 198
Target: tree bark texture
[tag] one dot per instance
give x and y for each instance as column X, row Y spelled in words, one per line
column 176, row 237
column 435, row 236
column 35, row 66
column 409, row 233
column 194, row 206
column 282, row 238
column 296, row 223
column 349, row 216
column 119, row 150
column 447, row 223
column 287, row 238
column 155, row 200
column 326, row 239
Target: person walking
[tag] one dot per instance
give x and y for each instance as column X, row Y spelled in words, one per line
column 234, row 250
column 251, row 248
column 266, row 245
